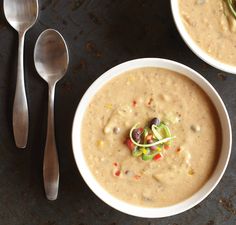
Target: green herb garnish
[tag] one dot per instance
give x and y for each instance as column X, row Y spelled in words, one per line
column 164, row 140
column 148, row 142
column 231, row 5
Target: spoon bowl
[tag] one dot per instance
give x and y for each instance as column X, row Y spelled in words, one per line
column 21, row 14
column 51, row 61
column 51, row 55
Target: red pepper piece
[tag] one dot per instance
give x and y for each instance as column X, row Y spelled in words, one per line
column 178, row 150
column 134, row 103
column 115, row 164
column 117, row 173
column 130, row 144
column 140, row 129
column 137, row 177
column 149, row 137
column 166, row 147
column 157, row 157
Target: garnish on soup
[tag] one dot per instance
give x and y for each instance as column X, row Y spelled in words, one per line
column 148, row 142
column 232, row 5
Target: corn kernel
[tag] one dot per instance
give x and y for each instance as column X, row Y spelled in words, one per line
column 144, row 150
column 191, row 171
column 108, row 106
column 100, row 143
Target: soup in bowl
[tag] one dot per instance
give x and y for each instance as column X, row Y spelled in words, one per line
column 151, row 137
column 209, row 29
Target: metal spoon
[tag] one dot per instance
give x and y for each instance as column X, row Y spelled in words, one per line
column 51, row 59
column 21, row 15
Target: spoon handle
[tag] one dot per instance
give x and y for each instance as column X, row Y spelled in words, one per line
column 51, row 164
column 20, row 106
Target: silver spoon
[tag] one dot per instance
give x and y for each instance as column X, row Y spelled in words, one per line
column 51, row 59
column 21, row 15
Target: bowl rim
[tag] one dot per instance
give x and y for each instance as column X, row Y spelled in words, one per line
column 192, row 44
column 131, row 209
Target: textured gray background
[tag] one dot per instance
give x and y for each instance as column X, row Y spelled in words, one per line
column 100, row 34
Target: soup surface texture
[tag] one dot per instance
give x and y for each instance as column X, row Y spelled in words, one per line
column 212, row 26
column 138, row 96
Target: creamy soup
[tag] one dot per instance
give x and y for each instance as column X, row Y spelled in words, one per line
column 212, row 26
column 138, row 96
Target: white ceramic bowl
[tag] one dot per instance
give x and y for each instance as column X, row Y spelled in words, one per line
column 138, row 210
column 192, row 44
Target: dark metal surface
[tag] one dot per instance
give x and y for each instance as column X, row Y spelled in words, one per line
column 100, row 34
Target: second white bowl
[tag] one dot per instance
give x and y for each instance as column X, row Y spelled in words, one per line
column 192, row 44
